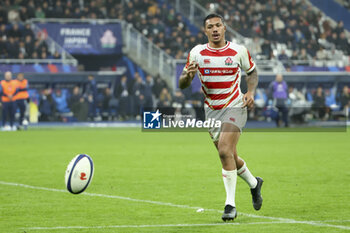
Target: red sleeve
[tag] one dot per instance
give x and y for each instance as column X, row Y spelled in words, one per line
column 188, row 60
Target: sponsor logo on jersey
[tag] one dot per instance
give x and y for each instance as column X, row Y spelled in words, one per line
column 206, row 61
column 219, row 71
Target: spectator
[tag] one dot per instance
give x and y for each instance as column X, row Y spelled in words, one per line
column 303, row 56
column 56, row 55
column 198, row 104
column 321, row 54
column 23, row 14
column 148, row 91
column 39, row 13
column 3, row 52
column 15, row 32
column 160, row 40
column 61, row 102
column 312, row 48
column 29, row 45
column 345, row 98
column 12, row 48
column 298, row 35
column 319, row 103
column 8, row 89
column 22, row 49
column 335, row 55
column 246, row 31
column 47, row 11
column 333, row 38
column 156, row 27
column 78, row 105
column 58, row 12
column 22, row 99
column 27, row 31
column 91, row 95
column 298, row 105
column 77, row 13
column 278, row 24
column 35, row 55
column 266, row 49
column 109, row 105
column 283, row 57
column 158, row 86
column 123, row 96
column 43, row 55
column 139, row 97
column 46, row 105
column 279, row 94
column 339, row 28
column 31, row 9
column 179, row 99
column 171, row 18
column 3, row 32
column 67, row 13
column 343, row 43
column 3, row 16
column 165, row 98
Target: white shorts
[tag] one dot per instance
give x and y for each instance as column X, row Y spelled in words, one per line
column 234, row 115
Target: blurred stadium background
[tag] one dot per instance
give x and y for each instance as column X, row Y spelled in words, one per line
column 104, row 60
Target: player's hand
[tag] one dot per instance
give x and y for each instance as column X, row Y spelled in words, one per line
column 248, row 100
column 192, row 69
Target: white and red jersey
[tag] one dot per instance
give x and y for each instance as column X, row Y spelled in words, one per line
column 220, row 72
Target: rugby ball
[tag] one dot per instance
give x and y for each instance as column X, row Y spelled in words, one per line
column 79, row 173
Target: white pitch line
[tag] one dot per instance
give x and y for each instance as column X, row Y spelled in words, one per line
column 145, row 226
column 334, row 220
column 312, row 223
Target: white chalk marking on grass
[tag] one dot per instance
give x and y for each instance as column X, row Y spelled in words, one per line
column 285, row 220
column 145, row 226
column 333, row 220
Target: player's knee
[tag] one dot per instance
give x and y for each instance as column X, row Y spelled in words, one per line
column 224, row 152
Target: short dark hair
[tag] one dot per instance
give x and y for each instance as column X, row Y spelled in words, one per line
column 213, row 15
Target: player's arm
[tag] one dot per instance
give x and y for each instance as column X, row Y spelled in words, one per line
column 252, row 83
column 188, row 74
column 252, row 78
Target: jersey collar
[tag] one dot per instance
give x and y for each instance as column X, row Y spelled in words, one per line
column 218, row 49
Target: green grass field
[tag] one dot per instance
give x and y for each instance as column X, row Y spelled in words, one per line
column 155, row 182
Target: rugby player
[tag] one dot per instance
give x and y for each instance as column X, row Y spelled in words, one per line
column 219, row 64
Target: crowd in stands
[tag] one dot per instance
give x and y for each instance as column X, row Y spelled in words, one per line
column 122, row 101
column 19, row 42
column 163, row 26
column 304, row 30
column 345, row 3
column 128, row 97
column 125, row 99
column 158, row 22
column 287, row 103
column 295, row 23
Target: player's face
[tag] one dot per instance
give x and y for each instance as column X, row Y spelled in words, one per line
column 215, row 30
